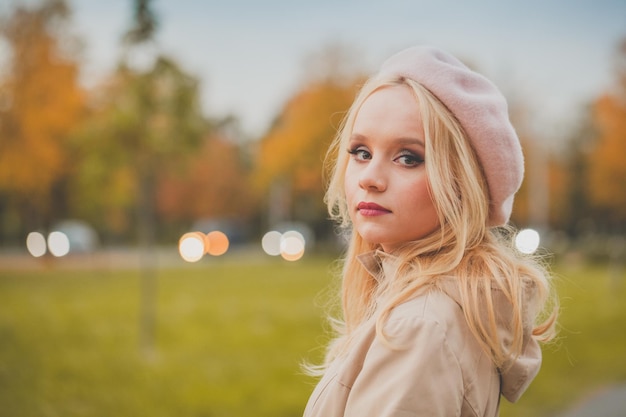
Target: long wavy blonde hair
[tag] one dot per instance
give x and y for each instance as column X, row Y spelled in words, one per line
column 480, row 258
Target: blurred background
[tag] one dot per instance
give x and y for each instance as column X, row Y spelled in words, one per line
column 164, row 246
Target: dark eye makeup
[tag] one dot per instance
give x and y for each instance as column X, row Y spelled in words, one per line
column 360, row 153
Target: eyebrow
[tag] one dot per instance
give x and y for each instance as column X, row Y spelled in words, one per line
column 409, row 141
column 400, row 141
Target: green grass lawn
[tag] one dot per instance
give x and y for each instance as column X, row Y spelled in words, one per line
column 229, row 339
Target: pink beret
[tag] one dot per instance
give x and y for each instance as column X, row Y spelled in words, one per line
column 482, row 112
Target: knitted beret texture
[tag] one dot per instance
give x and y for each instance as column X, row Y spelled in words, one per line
column 482, row 111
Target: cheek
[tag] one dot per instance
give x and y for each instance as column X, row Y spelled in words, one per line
column 350, row 184
column 420, row 194
column 350, row 189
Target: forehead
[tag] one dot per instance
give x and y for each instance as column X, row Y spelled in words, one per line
column 389, row 111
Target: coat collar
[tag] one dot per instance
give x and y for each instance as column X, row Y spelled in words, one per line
column 379, row 264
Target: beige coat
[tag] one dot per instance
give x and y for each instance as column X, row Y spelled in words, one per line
column 440, row 371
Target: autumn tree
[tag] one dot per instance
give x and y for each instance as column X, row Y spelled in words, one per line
column 211, row 183
column 140, row 124
column 607, row 170
column 289, row 168
column 40, row 105
column 527, row 210
column 542, row 200
column 573, row 213
column 142, row 119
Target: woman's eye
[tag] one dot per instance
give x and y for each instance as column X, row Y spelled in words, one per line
column 360, row 154
column 409, row 159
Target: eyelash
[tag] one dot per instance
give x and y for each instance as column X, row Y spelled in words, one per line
column 357, row 151
column 413, row 158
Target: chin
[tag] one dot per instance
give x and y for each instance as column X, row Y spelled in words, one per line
column 374, row 240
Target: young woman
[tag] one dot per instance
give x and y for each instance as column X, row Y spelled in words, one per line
column 441, row 316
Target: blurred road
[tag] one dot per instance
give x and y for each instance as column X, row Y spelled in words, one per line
column 609, row 402
column 115, row 258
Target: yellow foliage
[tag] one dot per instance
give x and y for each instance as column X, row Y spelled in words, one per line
column 213, row 185
column 43, row 104
column 295, row 146
column 607, row 168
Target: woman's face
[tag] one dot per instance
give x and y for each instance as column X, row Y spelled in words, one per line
column 386, row 185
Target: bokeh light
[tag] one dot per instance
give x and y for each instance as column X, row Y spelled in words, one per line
column 527, row 241
column 191, row 246
column 58, row 244
column 36, row 244
column 271, row 243
column 290, row 245
column 217, row 243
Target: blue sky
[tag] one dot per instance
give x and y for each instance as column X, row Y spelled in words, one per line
column 249, row 55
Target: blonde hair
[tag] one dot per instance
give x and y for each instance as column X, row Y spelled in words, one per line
column 478, row 257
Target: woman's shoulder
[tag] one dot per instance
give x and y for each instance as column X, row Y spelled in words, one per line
column 431, row 313
column 433, row 306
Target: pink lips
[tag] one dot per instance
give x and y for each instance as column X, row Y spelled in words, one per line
column 371, row 209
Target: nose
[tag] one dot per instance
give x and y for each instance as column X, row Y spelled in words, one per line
column 373, row 177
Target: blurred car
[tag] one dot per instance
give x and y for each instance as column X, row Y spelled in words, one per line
column 82, row 237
